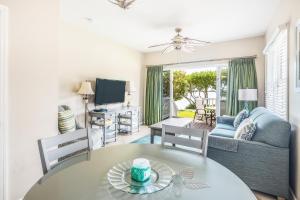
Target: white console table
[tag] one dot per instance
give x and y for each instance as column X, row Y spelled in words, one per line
column 117, row 120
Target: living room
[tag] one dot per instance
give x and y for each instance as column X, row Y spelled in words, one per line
column 50, row 47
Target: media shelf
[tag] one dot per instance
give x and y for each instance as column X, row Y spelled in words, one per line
column 107, row 121
column 128, row 121
column 113, row 121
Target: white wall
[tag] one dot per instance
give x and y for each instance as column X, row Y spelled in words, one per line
column 86, row 56
column 289, row 11
column 33, row 83
column 236, row 48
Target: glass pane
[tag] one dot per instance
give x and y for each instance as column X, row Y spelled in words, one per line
column 191, row 85
column 223, row 90
column 166, row 82
column 166, row 94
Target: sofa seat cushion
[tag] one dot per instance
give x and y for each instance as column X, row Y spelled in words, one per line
column 223, row 132
column 225, row 126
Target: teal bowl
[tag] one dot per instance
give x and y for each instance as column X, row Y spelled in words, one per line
column 140, row 174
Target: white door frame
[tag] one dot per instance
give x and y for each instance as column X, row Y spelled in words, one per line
column 172, row 114
column 218, row 91
column 3, row 99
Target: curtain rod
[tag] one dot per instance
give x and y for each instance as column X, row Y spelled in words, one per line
column 208, row 60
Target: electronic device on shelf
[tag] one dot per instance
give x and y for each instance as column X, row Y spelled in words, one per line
column 100, row 110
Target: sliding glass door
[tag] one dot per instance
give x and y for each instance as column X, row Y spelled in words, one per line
column 184, row 85
column 166, row 95
column 222, row 89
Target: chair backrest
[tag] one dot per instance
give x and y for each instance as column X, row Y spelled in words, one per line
column 209, row 101
column 54, row 150
column 200, row 104
column 67, row 163
column 189, row 138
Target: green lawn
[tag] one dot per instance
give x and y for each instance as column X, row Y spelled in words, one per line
column 188, row 113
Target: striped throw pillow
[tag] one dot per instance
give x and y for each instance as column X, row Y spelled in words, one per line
column 66, row 121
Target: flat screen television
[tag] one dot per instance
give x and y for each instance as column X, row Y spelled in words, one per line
column 109, row 91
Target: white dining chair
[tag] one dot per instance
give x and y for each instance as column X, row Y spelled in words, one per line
column 200, row 109
column 185, row 138
column 56, row 149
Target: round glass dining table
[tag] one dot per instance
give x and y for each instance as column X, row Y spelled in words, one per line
column 84, row 177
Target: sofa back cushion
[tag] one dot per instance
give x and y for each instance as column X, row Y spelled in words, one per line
column 270, row 128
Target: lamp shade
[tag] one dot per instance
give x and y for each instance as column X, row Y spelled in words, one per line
column 130, row 87
column 248, row 94
column 86, row 88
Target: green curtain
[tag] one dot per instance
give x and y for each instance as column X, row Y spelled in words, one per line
column 154, row 90
column 241, row 75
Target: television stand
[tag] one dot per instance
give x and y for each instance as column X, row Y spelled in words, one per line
column 118, row 120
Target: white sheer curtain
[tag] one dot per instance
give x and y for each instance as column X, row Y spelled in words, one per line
column 276, row 77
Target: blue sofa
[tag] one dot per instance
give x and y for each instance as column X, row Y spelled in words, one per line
column 263, row 163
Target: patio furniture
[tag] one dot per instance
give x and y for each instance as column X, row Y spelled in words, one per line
column 193, row 139
column 156, row 129
column 56, row 149
column 206, row 108
column 200, row 109
column 210, row 113
column 88, row 179
column 263, row 163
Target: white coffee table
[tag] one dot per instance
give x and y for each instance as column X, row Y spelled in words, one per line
column 179, row 122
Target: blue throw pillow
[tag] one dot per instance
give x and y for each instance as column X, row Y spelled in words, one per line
column 240, row 117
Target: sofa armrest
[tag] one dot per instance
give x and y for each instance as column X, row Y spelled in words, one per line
column 225, row 120
column 223, row 143
column 261, row 166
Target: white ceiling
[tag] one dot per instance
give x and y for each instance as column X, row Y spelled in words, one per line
column 150, row 22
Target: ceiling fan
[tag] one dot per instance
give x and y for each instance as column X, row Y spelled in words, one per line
column 181, row 43
column 125, row 4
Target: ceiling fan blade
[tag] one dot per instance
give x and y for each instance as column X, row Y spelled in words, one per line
column 129, row 3
column 195, row 44
column 188, row 49
column 113, row 2
column 168, row 49
column 196, row 40
column 159, row 45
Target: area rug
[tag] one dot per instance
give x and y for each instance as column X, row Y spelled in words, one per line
column 146, row 140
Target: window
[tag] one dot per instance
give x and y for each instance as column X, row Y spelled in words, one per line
column 276, row 87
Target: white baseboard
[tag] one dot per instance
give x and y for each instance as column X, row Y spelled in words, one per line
column 292, row 194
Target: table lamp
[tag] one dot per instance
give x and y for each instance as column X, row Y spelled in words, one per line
column 130, row 88
column 85, row 90
column 247, row 95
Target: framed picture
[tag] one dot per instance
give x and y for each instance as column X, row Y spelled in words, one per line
column 298, row 57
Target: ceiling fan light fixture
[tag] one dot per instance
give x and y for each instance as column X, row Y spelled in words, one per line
column 125, row 4
column 180, row 43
